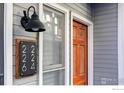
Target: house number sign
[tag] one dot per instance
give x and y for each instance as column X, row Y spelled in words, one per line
column 26, row 58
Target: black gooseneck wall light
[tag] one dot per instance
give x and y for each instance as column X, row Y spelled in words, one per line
column 32, row 24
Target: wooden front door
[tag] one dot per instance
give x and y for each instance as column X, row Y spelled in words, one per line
column 80, row 54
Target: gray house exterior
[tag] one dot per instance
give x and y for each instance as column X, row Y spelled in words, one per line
column 104, row 17
column 20, row 33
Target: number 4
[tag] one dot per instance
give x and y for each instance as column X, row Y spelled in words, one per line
column 32, row 66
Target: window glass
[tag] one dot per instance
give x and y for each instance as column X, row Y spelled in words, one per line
column 54, row 78
column 53, row 38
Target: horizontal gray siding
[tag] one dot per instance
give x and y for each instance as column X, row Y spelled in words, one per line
column 80, row 8
column 105, row 44
column 1, row 44
column 20, row 33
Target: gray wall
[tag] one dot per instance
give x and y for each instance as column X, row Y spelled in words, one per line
column 105, row 40
column 20, row 33
column 1, row 44
column 80, row 8
column 105, row 44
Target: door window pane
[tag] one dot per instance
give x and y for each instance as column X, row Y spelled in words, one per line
column 53, row 38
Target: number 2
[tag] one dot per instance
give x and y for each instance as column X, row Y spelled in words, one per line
column 33, row 49
column 32, row 57
column 24, row 58
column 24, row 50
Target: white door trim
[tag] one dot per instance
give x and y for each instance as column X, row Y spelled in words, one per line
column 8, row 44
column 66, row 12
column 120, row 44
column 89, row 23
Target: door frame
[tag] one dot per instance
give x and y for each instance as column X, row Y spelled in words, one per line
column 8, row 42
column 83, row 20
column 66, row 12
column 120, row 43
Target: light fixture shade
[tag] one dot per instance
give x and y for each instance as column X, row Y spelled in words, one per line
column 34, row 24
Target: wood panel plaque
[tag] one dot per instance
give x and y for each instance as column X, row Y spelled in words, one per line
column 26, row 58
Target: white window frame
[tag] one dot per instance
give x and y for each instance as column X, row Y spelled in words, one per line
column 8, row 43
column 89, row 23
column 66, row 12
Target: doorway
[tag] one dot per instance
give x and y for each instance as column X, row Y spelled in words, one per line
column 80, row 53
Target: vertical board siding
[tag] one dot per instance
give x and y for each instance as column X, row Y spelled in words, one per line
column 20, row 33
column 1, row 44
column 105, row 44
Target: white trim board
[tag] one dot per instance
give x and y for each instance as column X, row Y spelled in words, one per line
column 8, row 44
column 87, row 22
column 120, row 44
column 41, row 47
column 66, row 12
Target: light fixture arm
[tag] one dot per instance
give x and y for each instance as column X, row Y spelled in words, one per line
column 29, row 10
column 26, row 17
column 24, row 12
